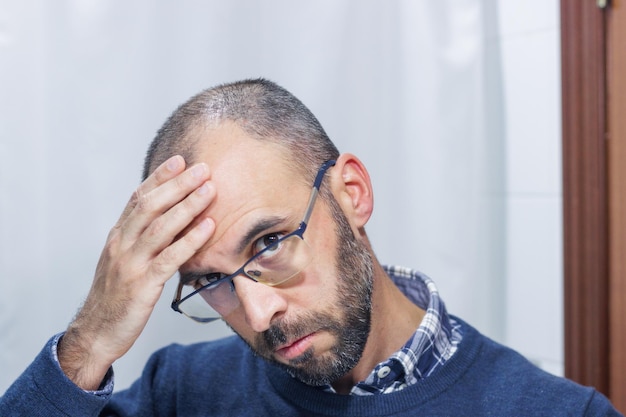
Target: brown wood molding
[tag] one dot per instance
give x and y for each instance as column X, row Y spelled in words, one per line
column 616, row 83
column 585, row 202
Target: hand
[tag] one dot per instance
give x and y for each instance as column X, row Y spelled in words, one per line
column 152, row 238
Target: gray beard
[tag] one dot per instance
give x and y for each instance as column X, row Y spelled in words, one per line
column 348, row 321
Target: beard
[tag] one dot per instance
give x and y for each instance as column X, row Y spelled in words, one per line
column 347, row 319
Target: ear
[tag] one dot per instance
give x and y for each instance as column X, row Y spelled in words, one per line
column 353, row 189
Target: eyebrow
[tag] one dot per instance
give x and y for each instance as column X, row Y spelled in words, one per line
column 256, row 229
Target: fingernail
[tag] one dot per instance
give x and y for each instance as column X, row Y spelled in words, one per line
column 204, row 225
column 203, row 189
column 173, row 163
column 198, row 170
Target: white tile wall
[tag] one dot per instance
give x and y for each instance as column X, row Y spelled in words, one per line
column 529, row 42
column 534, row 286
column 519, row 18
column 531, row 80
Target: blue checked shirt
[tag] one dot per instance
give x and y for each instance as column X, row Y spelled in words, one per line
column 433, row 343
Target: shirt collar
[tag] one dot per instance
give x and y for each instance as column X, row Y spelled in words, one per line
column 433, row 343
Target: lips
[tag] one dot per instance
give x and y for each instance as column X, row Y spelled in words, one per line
column 290, row 351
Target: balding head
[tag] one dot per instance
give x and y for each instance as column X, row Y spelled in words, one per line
column 264, row 110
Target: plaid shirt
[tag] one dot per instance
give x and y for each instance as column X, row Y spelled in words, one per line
column 434, row 342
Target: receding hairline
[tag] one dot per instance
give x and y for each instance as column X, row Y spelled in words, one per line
column 190, row 145
column 261, row 108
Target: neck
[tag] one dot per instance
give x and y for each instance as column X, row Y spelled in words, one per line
column 394, row 320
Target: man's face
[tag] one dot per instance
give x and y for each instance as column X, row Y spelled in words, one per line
column 345, row 318
column 316, row 324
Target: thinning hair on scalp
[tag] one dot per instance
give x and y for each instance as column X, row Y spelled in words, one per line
column 261, row 108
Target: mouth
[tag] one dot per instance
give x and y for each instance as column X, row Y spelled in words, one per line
column 290, row 351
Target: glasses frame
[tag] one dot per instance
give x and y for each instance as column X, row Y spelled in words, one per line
column 241, row 271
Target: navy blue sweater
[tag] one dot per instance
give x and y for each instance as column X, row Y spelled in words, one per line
column 223, row 378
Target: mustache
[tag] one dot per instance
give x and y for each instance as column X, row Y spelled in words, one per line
column 273, row 337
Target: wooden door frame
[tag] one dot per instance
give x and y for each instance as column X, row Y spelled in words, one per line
column 585, row 210
column 616, row 122
column 593, row 200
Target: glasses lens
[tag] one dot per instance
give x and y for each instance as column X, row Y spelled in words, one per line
column 210, row 303
column 280, row 261
column 274, row 265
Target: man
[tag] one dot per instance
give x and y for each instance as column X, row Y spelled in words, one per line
column 245, row 196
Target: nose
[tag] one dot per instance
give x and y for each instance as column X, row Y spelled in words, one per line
column 260, row 302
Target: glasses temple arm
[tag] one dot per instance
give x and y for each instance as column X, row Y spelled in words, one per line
column 315, row 191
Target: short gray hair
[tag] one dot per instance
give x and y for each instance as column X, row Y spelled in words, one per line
column 261, row 108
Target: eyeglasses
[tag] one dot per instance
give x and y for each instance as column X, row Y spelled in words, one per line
column 211, row 296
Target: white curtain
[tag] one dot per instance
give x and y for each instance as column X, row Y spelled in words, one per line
column 408, row 86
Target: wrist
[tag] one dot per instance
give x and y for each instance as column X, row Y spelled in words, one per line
column 80, row 363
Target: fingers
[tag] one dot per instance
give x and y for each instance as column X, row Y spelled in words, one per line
column 165, row 228
column 169, row 259
column 162, row 228
column 161, row 193
column 166, row 171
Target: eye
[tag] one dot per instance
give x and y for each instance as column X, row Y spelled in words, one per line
column 265, row 242
column 207, row 280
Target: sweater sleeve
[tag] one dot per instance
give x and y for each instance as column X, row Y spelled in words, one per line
column 600, row 406
column 44, row 390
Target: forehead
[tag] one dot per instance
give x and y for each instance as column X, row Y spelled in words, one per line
column 241, row 164
column 254, row 180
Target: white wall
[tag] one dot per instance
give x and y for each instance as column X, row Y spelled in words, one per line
column 529, row 41
column 453, row 106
